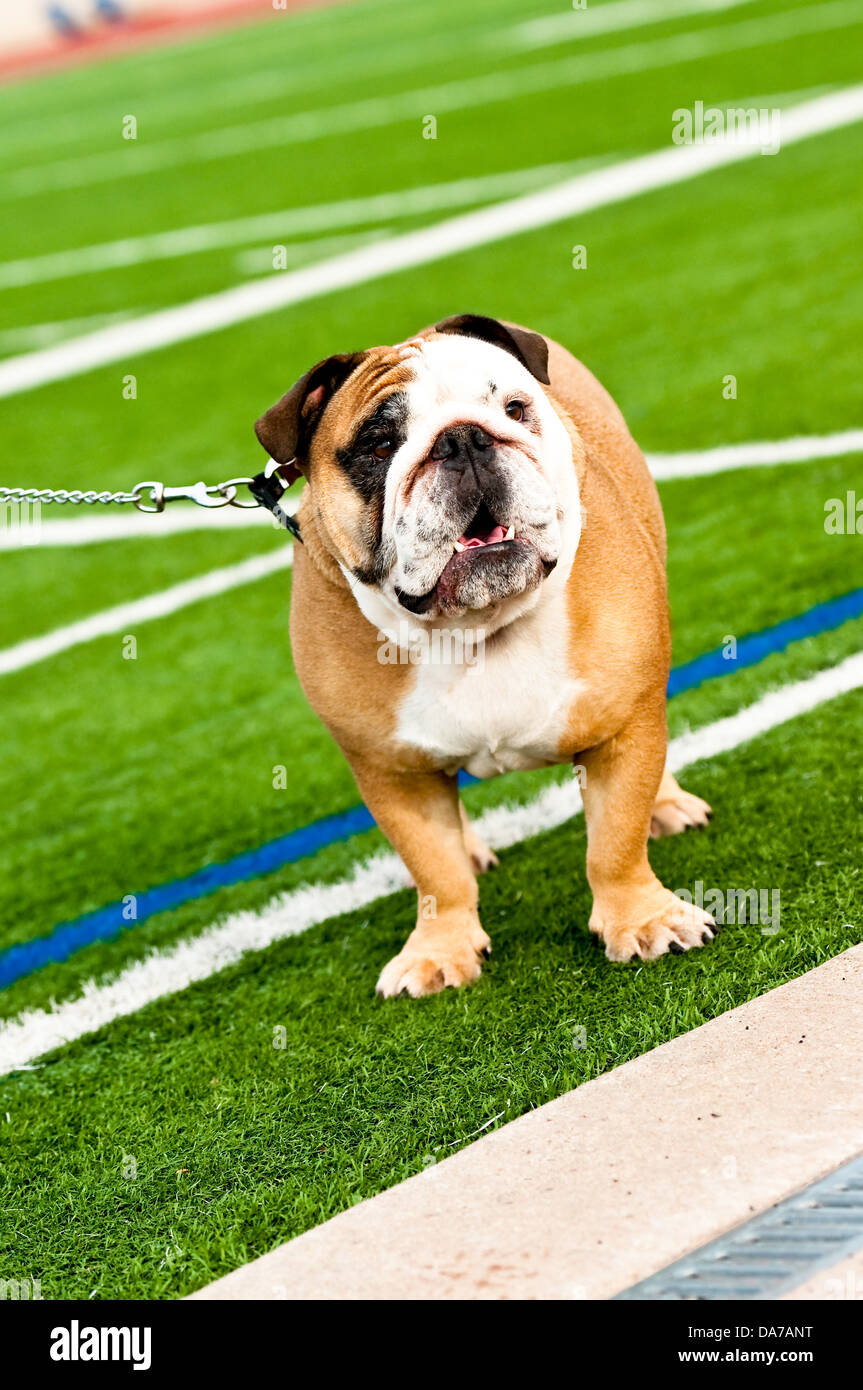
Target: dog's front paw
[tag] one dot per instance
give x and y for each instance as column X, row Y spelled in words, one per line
column 432, row 960
column 650, row 926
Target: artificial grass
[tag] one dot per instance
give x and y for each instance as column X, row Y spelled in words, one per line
column 239, row 1145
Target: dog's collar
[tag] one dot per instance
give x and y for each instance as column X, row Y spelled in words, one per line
column 268, row 489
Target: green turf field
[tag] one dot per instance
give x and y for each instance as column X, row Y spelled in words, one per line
column 123, row 775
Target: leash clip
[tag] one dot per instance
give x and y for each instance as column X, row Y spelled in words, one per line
column 217, row 495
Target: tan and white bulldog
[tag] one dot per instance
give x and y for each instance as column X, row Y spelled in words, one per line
column 475, row 505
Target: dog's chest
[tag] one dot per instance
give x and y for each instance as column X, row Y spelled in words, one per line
column 504, row 708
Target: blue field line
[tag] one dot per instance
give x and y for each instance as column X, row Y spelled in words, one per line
column 823, row 617
column 63, row 941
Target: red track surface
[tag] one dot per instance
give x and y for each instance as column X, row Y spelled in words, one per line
column 126, row 37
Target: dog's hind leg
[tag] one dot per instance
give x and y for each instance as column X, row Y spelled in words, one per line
column 481, row 856
column 676, row 810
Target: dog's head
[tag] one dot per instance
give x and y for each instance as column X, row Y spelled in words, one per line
column 441, row 472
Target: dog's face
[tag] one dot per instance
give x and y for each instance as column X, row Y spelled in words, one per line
column 440, row 470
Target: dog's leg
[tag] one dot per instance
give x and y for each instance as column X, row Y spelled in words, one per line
column 675, row 810
column 632, row 912
column 480, row 855
column 419, row 814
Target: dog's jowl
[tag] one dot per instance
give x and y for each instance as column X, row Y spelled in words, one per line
column 481, row 585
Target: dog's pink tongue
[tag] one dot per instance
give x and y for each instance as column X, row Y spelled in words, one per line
column 492, row 538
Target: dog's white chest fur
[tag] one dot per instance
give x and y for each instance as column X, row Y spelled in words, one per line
column 505, row 710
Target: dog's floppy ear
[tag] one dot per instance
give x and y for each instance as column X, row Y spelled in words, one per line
column 531, row 349
column 286, row 429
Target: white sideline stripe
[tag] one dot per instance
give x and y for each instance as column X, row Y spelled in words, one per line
column 502, row 220
column 126, row 616
column 607, row 19
column 37, row 335
column 37, row 1031
column 89, row 530
column 259, row 260
column 288, row 222
column 459, row 95
column 800, row 449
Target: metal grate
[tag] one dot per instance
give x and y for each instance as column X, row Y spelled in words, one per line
column 774, row 1251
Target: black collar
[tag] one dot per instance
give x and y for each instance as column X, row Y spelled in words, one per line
column 268, row 489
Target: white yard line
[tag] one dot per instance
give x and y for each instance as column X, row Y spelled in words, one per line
column 801, row 449
column 39, row 335
column 585, row 193
column 37, row 1031
column 258, row 260
column 584, row 23
column 459, row 95
column 127, row 616
column 284, row 224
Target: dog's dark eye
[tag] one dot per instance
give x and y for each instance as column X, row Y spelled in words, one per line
column 515, row 410
column 383, row 449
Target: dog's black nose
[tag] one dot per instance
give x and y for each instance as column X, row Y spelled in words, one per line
column 459, row 446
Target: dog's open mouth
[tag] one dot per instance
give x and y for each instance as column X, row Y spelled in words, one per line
column 489, row 563
column 483, row 530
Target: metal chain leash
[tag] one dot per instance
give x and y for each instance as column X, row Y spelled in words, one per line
column 267, row 490
column 147, row 497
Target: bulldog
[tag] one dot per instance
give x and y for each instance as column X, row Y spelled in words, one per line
column 481, row 586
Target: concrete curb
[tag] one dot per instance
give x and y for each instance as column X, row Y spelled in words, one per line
column 594, row 1191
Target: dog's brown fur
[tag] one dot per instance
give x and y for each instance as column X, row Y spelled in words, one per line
column 620, row 648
